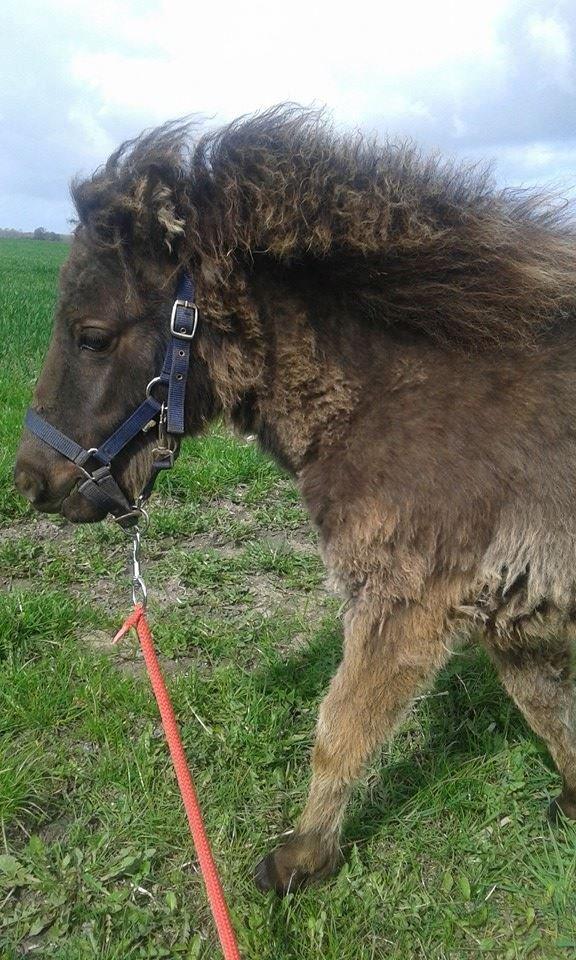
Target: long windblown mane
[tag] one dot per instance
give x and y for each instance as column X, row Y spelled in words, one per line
column 415, row 240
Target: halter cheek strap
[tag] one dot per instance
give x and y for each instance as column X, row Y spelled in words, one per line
column 100, row 487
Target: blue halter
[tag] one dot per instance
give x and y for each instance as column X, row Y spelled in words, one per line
column 100, row 486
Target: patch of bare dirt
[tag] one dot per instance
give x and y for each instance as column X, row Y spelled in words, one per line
column 55, row 829
column 17, row 583
column 171, row 667
column 268, row 596
column 127, row 656
column 38, row 529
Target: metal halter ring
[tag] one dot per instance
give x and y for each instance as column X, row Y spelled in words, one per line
column 136, row 511
column 80, row 463
column 152, row 384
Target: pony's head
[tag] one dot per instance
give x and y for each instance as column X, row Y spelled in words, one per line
column 112, row 322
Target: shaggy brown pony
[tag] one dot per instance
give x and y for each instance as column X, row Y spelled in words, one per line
column 400, row 336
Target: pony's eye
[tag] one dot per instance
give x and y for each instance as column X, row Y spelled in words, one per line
column 94, row 340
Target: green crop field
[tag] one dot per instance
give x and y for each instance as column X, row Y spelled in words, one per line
column 448, row 853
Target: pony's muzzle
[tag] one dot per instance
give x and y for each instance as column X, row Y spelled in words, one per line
column 29, row 482
column 43, row 477
column 44, row 488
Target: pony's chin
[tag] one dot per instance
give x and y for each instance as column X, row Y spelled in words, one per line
column 78, row 509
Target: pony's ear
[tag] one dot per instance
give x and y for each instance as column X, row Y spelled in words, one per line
column 164, row 208
column 137, row 201
column 141, row 214
column 156, row 220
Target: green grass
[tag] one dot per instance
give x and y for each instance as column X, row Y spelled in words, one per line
column 448, row 854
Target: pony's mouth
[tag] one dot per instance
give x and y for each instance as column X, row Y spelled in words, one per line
column 77, row 509
column 54, row 487
column 68, row 502
column 71, row 505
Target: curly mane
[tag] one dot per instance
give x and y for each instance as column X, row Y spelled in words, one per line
column 414, row 240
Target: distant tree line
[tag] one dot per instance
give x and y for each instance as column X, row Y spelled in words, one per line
column 40, row 233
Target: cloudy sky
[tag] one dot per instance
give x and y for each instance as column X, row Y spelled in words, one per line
column 474, row 78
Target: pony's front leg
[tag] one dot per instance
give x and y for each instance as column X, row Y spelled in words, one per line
column 387, row 660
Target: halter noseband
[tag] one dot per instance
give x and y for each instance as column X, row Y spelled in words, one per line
column 100, row 487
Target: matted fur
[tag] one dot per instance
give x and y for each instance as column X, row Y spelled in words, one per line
column 415, row 240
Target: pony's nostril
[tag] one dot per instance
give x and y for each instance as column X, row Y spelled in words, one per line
column 30, row 483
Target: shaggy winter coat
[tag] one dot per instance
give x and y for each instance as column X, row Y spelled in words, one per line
column 400, row 336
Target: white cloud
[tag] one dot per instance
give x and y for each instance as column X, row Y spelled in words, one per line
column 551, row 36
column 552, row 41
column 239, row 58
column 491, row 76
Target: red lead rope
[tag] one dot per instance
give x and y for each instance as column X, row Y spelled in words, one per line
column 206, row 860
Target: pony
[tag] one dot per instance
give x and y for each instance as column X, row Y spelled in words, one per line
column 400, row 335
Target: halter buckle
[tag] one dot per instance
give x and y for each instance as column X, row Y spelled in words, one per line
column 182, row 333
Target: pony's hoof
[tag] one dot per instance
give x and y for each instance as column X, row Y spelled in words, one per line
column 267, row 877
column 561, row 808
column 306, row 858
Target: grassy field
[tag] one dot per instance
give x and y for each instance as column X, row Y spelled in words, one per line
column 448, row 853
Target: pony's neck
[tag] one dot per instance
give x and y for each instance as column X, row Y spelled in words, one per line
column 302, row 392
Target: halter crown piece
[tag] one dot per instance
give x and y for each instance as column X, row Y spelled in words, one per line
column 99, row 486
